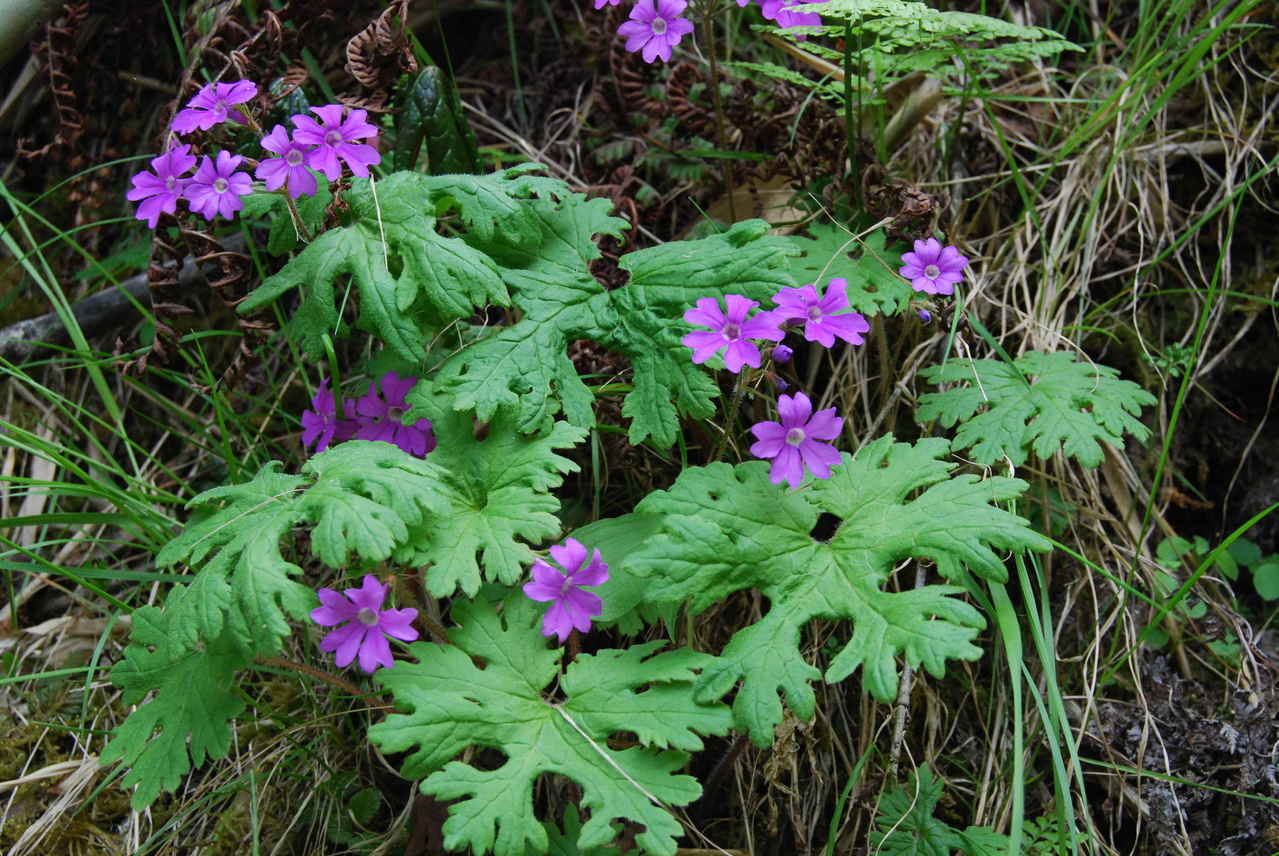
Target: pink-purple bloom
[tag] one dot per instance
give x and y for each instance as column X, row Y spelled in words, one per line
column 655, row 27
column 731, row 331
column 778, row 12
column 793, row 444
column 216, row 187
column 932, row 268
column 571, row 607
column 334, row 139
column 289, row 165
column 365, row 624
column 782, row 354
column 212, row 106
column 161, row 189
column 821, row 314
column 321, row 426
column 379, row 416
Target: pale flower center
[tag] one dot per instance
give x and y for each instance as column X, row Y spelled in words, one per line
column 566, row 585
column 795, row 436
column 732, row 331
column 659, row 26
column 814, row 313
column 332, row 138
column 219, row 185
column 170, row 183
column 293, row 157
column 220, row 108
column 932, row 271
column 367, row 617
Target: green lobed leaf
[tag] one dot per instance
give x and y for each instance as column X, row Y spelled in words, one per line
column 410, row 279
column 363, row 497
column 623, row 593
column 494, row 493
column 728, row 528
column 1040, row 403
column 453, row 704
column 526, row 367
column 905, row 825
column 236, row 544
column 565, row 843
column 188, row 718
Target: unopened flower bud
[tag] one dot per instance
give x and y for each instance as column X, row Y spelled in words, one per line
column 782, row 354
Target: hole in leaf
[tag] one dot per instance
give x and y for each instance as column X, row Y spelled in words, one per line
column 825, row 528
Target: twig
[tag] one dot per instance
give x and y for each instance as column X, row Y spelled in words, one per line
column 902, row 705
column 98, row 312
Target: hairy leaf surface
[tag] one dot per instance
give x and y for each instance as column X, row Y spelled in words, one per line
column 1042, row 402
column 494, row 493
column 362, row 497
column 728, row 528
column 453, row 704
column 188, row 719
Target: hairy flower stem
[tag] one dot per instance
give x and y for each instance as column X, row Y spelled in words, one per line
column 726, row 167
column 436, row 629
column 321, row 675
column 885, row 372
column 730, row 419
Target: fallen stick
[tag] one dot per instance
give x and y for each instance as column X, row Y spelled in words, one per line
column 97, row 312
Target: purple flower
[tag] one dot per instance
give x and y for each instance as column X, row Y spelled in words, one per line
column 321, row 425
column 334, row 140
column 570, row 606
column 932, row 268
column 163, row 188
column 782, row 354
column 925, row 316
column 776, row 11
column 655, row 28
column 600, row 4
column 379, row 417
column 792, row 443
column 212, row 106
column 731, row 330
column 821, row 324
column 289, row 166
column 216, row 188
column 368, row 624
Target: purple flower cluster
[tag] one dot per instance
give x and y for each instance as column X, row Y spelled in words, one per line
column 376, row 415
column 655, row 27
column 217, row 185
column 794, row 443
column 822, row 316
